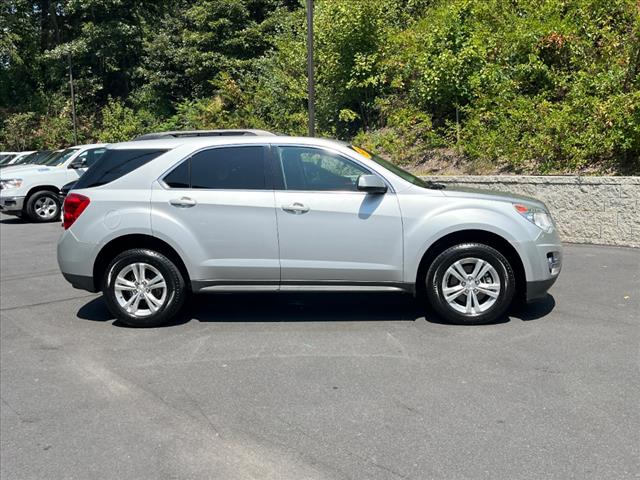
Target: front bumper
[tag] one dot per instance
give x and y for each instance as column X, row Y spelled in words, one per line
column 538, row 290
column 544, row 256
column 11, row 205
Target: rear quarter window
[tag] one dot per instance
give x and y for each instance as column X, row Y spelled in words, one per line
column 114, row 164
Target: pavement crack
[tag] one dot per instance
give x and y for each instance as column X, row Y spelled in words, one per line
column 11, row 408
column 345, row 450
column 50, row 302
column 47, row 273
column 398, row 344
column 204, row 415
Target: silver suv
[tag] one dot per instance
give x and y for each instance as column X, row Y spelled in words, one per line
column 155, row 220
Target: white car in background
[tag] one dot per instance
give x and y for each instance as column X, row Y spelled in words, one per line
column 32, row 190
column 39, row 157
column 9, row 158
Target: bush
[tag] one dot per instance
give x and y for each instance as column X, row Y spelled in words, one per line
column 121, row 123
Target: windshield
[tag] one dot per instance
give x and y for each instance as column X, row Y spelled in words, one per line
column 47, row 158
column 29, row 158
column 409, row 177
column 60, row 158
column 37, row 158
column 6, row 159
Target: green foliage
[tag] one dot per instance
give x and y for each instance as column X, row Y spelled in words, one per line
column 406, row 137
column 34, row 130
column 542, row 86
column 536, row 86
column 121, row 123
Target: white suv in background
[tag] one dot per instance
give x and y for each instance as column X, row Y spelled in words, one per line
column 32, row 190
column 156, row 219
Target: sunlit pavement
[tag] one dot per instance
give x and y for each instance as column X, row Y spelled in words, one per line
column 334, row 386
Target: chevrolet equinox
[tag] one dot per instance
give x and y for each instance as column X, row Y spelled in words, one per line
column 155, row 220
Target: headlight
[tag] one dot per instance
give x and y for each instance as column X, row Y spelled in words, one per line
column 538, row 216
column 11, row 183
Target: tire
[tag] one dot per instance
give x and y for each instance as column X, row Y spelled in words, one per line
column 470, row 301
column 123, row 280
column 43, row 206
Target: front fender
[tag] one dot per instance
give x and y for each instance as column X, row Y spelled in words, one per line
column 421, row 232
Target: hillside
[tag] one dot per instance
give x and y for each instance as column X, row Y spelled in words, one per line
column 474, row 86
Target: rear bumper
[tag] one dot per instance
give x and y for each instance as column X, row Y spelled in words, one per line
column 80, row 282
column 538, row 290
column 76, row 260
column 11, row 205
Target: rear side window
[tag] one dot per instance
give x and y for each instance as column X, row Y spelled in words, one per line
column 227, row 168
column 179, row 176
column 114, row 164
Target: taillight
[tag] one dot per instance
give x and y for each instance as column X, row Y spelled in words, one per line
column 74, row 205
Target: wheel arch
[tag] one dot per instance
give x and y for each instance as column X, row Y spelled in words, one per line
column 38, row 188
column 477, row 236
column 126, row 242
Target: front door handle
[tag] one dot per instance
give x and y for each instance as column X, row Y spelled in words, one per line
column 295, row 208
column 183, row 202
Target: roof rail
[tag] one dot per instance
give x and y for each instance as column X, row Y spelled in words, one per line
column 203, row 133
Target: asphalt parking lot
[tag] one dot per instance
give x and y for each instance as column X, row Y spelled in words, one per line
column 325, row 386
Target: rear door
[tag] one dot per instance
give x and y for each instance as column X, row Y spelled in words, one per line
column 219, row 207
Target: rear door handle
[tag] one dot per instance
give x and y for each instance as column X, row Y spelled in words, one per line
column 295, row 208
column 183, row 202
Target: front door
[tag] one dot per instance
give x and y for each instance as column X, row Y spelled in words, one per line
column 329, row 231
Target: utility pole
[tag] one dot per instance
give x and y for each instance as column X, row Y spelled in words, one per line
column 310, row 71
column 73, row 105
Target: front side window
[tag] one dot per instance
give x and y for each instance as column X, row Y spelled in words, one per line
column 89, row 157
column 226, row 168
column 313, row 169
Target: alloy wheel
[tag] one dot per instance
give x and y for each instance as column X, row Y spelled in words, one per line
column 471, row 286
column 140, row 289
column 45, row 207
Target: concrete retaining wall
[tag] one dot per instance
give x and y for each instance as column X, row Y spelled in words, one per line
column 600, row 210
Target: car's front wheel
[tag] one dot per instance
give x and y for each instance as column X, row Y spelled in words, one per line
column 43, row 206
column 143, row 288
column 470, row 283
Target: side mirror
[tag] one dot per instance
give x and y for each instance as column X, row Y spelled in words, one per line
column 371, row 184
column 77, row 164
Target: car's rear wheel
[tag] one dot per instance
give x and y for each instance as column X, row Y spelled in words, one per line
column 43, row 206
column 143, row 288
column 470, row 283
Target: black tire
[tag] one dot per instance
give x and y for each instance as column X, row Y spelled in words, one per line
column 466, row 252
column 37, row 213
column 176, row 290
